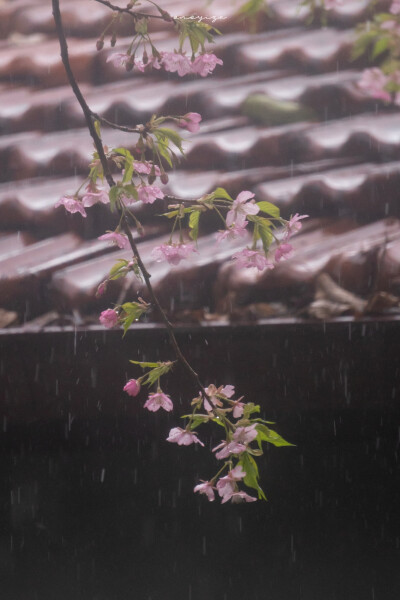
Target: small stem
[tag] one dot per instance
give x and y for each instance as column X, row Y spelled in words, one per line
column 222, row 218
column 222, row 469
column 128, row 11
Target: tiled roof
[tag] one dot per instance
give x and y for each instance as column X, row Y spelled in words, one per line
column 338, row 160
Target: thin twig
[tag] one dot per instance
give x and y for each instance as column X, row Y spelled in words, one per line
column 123, row 128
column 90, row 117
column 128, row 11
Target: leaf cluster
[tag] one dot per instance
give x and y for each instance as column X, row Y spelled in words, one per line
column 197, row 32
column 156, row 370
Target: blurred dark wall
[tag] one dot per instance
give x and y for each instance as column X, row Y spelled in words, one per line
column 96, row 505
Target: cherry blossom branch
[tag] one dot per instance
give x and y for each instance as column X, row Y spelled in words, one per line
column 218, row 403
column 89, row 116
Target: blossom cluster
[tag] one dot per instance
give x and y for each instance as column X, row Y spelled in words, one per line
column 382, row 82
column 172, row 62
column 240, row 429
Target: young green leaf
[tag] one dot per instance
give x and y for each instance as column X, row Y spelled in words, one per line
column 249, row 409
column 269, row 209
column 172, row 135
column 266, row 434
column 249, row 465
column 194, row 224
column 221, row 193
column 145, row 365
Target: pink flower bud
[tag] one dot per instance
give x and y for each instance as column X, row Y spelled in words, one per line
column 102, row 288
column 164, row 178
column 132, row 387
column 108, row 318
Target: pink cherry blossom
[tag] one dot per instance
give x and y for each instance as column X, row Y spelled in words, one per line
column 226, row 486
column 252, row 258
column 228, row 391
column 146, row 167
column 239, row 497
column 232, row 232
column 245, row 435
column 182, row 437
column 373, row 81
column 172, row 253
column 392, row 26
column 153, row 62
column 241, row 208
column 71, row 204
column 119, row 59
column 212, row 392
column 228, row 448
column 238, row 408
column 157, row 400
column 108, row 318
column 176, row 63
column 395, row 7
column 190, row 121
column 132, row 387
column 283, row 252
column 120, row 239
column 206, row 488
column 293, row 225
column 93, row 196
column 149, row 193
column 205, row 64
column 139, row 65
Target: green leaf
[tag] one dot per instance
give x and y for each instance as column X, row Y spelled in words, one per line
column 196, row 422
column 115, row 269
column 249, row 465
column 194, row 224
column 272, row 112
column 125, row 153
column 266, row 434
column 175, row 213
column 170, row 215
column 269, row 209
column 157, row 370
column 155, row 374
column 97, row 128
column 249, row 409
column 113, row 194
column 145, row 365
column 380, row 46
column 130, row 190
column 163, row 150
column 265, row 234
column 133, row 312
column 221, row 193
column 128, row 322
column 252, row 7
column 172, row 135
column 128, row 171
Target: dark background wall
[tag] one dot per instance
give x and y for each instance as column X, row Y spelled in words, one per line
column 95, row 504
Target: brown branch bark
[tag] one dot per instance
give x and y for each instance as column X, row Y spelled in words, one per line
column 90, row 119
